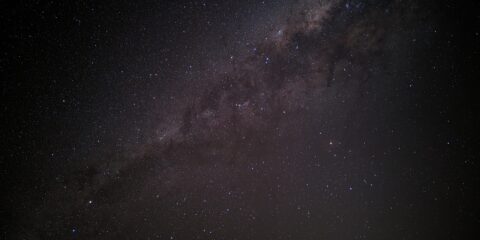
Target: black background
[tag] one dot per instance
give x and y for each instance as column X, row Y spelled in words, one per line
column 83, row 79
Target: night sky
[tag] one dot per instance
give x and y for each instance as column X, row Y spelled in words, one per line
column 275, row 119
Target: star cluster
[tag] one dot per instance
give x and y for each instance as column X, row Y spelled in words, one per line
column 341, row 119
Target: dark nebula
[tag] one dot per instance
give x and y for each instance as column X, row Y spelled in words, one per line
column 240, row 120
